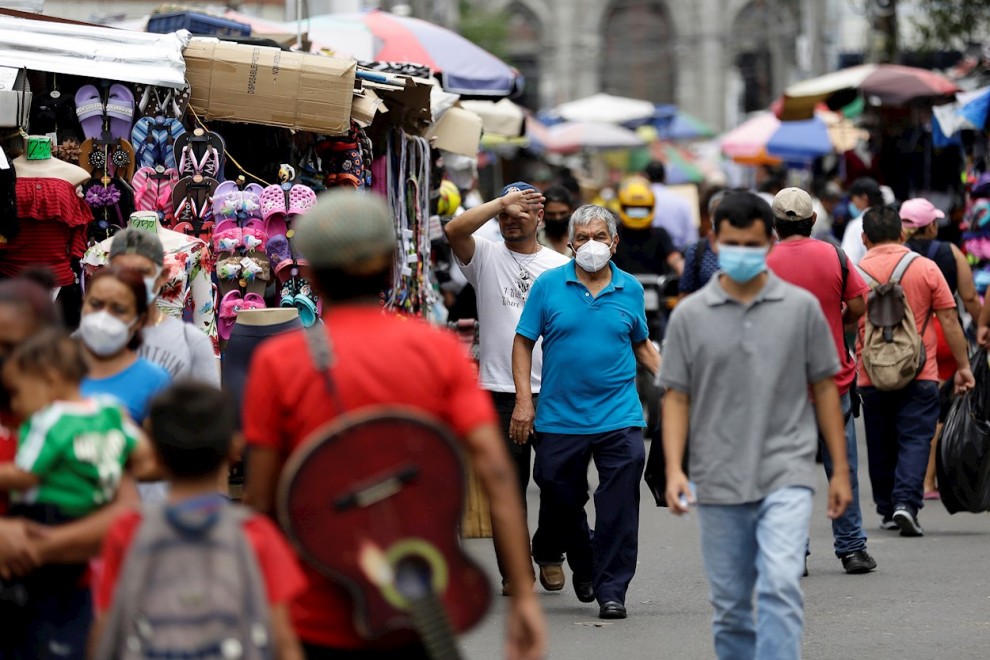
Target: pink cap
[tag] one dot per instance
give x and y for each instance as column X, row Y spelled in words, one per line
column 919, row 212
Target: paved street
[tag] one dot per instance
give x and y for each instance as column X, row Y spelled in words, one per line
column 929, row 597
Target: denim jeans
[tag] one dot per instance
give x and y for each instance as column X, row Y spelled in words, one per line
column 606, row 558
column 847, row 530
column 758, row 545
column 899, row 430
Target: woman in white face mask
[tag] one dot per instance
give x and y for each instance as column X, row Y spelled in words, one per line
column 181, row 349
column 114, row 310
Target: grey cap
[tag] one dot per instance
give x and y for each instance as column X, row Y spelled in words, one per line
column 345, row 229
column 139, row 242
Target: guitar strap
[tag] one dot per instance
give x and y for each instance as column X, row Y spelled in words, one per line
column 321, row 352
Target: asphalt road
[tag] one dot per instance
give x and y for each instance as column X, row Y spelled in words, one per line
column 928, row 598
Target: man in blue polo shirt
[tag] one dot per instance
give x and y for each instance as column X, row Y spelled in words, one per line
column 591, row 317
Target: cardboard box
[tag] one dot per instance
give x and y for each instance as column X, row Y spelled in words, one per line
column 458, row 131
column 365, row 106
column 260, row 85
column 15, row 98
column 410, row 103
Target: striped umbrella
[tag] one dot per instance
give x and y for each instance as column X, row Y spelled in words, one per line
column 463, row 67
column 893, row 84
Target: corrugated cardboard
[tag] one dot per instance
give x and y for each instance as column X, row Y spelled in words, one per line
column 365, row 106
column 259, row 85
column 458, row 131
column 411, row 103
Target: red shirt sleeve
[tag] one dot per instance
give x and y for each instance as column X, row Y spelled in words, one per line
column 856, row 286
column 115, row 546
column 284, row 579
column 261, row 422
column 467, row 405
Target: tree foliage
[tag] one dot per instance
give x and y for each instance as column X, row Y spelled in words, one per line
column 951, row 23
column 488, row 29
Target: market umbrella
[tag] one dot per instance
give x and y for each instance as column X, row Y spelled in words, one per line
column 673, row 124
column 747, row 143
column 764, row 139
column 463, row 67
column 893, row 84
column 605, row 108
column 570, row 137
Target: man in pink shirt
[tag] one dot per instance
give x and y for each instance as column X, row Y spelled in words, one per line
column 901, row 423
column 817, row 267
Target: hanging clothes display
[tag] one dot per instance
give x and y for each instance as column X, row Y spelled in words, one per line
column 189, row 289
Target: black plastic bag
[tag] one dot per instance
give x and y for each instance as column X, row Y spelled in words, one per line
column 963, row 450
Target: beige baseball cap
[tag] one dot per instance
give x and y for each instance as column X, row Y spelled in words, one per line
column 792, row 204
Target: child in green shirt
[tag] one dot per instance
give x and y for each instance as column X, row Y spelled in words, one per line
column 72, row 450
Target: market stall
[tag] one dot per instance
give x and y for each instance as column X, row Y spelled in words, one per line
column 217, row 147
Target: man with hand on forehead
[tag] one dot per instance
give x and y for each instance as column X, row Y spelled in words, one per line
column 502, row 274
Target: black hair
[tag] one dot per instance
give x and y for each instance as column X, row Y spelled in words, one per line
column 868, row 186
column 788, row 228
column 27, row 293
column 192, row 429
column 655, row 172
column 51, row 349
column 882, row 224
column 337, row 285
column 135, row 282
column 743, row 210
column 558, row 194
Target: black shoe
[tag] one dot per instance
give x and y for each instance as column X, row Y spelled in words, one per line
column 889, row 524
column 612, row 610
column 585, row 591
column 805, row 574
column 907, row 520
column 858, row 561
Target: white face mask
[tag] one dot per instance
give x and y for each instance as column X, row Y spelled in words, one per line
column 103, row 333
column 593, row 256
column 149, row 286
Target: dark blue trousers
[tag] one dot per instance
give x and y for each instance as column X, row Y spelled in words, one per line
column 899, row 429
column 608, row 557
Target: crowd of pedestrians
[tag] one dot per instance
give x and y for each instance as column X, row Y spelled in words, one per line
column 787, row 336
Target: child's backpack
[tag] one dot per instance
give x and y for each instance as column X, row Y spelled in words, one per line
column 893, row 351
column 190, row 587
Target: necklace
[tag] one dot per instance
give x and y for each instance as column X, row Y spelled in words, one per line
column 524, row 279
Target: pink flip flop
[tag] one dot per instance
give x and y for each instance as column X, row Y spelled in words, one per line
column 89, row 109
column 232, row 303
column 120, row 111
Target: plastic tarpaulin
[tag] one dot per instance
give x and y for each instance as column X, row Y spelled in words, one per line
column 83, row 50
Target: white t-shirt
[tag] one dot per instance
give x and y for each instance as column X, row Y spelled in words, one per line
column 182, row 350
column 494, row 272
column 852, row 241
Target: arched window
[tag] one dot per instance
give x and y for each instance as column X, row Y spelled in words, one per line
column 524, row 50
column 762, row 41
column 639, row 58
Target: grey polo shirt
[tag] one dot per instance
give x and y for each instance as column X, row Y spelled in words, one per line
column 747, row 369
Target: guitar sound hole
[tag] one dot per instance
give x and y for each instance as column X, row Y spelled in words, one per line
column 414, row 577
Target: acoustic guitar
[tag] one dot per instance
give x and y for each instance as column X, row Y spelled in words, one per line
column 373, row 501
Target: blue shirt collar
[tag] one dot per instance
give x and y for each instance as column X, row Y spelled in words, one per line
column 616, row 283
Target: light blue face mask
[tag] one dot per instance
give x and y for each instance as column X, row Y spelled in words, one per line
column 741, row 263
column 854, row 211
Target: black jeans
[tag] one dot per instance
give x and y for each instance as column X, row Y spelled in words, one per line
column 521, row 456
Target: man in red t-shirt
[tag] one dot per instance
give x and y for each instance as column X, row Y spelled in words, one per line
column 349, row 242
column 817, row 267
column 900, row 424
